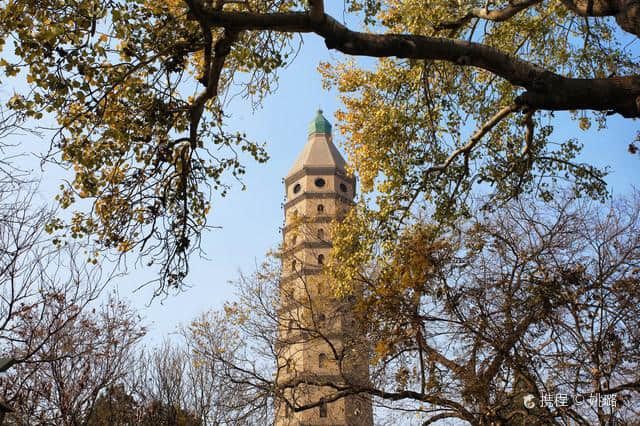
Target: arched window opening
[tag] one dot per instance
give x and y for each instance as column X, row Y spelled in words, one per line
column 320, row 208
column 293, row 265
column 297, row 188
column 321, row 259
column 322, row 360
column 343, row 187
column 321, row 234
column 323, row 409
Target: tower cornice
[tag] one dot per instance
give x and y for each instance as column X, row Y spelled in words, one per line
column 317, row 196
column 312, row 171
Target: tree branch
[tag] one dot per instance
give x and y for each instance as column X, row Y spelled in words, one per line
column 475, row 138
column 212, row 72
column 626, row 12
column 497, row 15
column 342, row 391
column 545, row 90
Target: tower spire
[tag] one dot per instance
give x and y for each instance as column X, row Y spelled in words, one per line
column 320, row 124
column 319, row 152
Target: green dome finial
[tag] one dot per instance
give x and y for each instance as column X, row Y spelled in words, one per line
column 320, row 124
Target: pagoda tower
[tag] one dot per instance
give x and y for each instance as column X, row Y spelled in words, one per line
column 320, row 341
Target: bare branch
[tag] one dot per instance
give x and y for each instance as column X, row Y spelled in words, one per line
column 497, row 15
column 475, row 138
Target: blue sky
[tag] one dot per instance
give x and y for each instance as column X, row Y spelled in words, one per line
column 250, row 219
